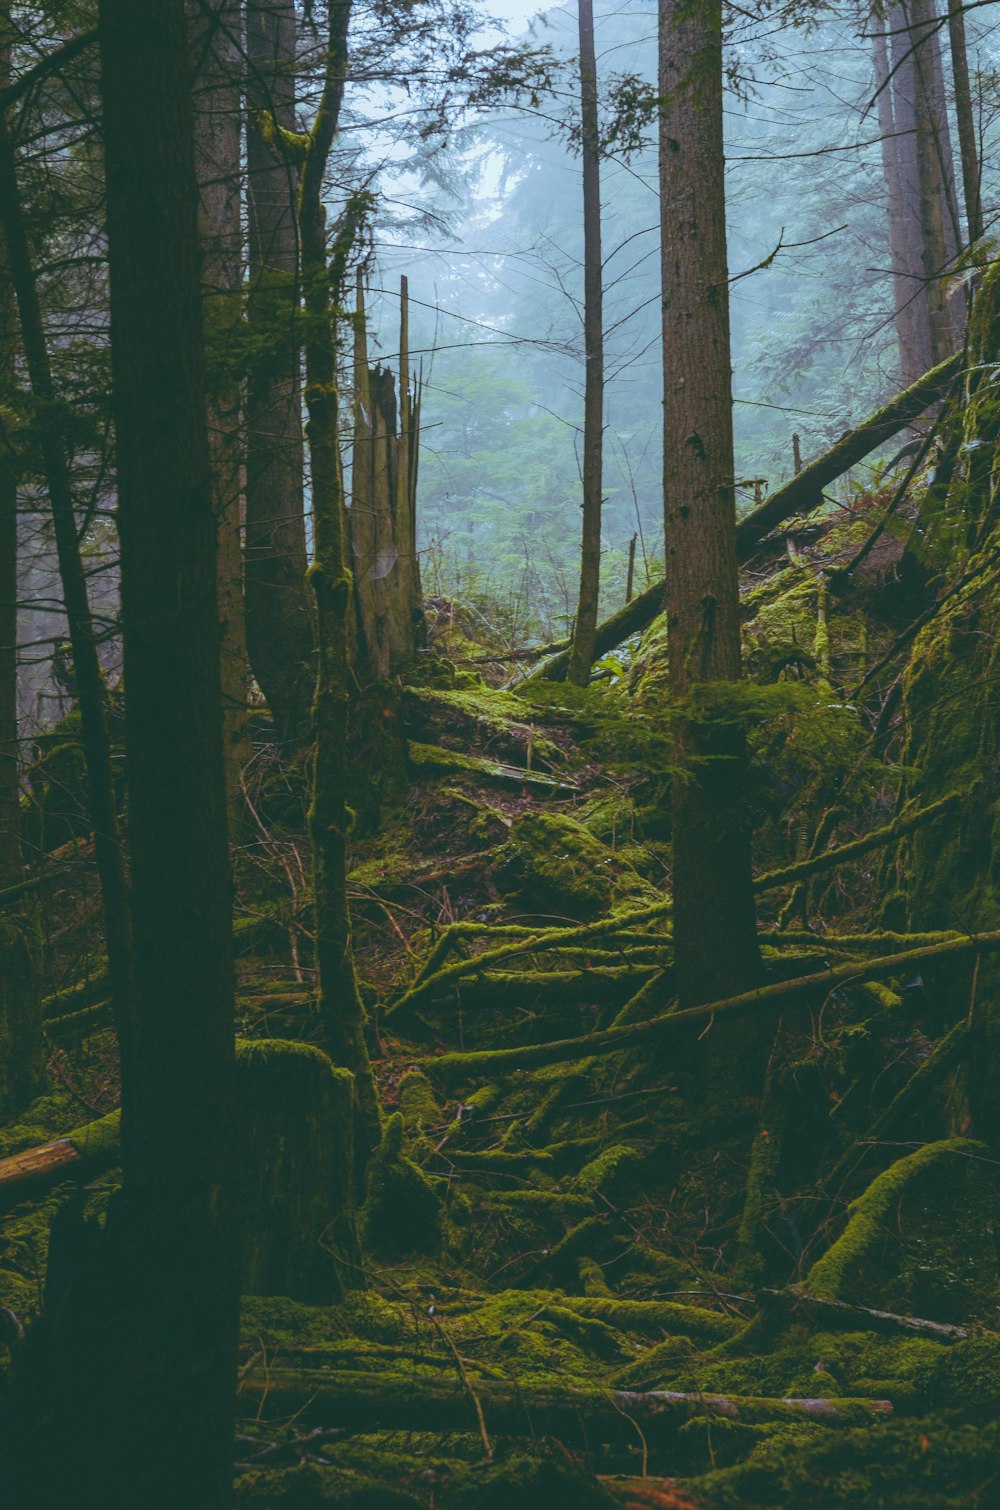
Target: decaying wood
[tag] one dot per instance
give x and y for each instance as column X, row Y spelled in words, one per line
column 42, row 1165
column 836, row 1314
column 394, row 1402
column 802, row 494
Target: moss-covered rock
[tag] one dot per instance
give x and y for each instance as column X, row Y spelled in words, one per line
column 556, row 867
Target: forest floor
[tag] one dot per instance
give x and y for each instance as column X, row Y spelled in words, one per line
column 746, row 1261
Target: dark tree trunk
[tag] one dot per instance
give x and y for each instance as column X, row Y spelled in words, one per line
column 10, row 850
column 172, row 1382
column 585, row 629
column 968, row 140
column 215, row 38
column 86, row 666
column 714, row 922
column 341, row 1010
column 278, row 609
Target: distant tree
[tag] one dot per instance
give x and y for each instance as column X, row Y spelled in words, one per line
column 585, row 626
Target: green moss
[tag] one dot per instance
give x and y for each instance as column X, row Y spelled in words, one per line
column 418, row 1104
column 308, row 1485
column 402, row 1210
column 832, row 1275
column 610, row 1169
column 555, row 866
column 529, row 1483
column 98, row 1141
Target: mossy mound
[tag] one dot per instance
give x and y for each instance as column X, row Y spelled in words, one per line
column 527, row 1483
column 556, row 867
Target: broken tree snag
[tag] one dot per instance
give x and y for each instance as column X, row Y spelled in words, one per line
column 802, row 494
column 801, row 991
column 838, row 1315
column 44, row 1165
column 359, row 1402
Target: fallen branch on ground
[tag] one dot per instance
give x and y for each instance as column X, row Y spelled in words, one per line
column 393, row 1402
column 798, row 992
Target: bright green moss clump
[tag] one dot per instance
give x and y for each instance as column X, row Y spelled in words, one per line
column 831, row 1276
column 557, row 867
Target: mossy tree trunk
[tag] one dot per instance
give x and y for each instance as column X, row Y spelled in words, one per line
column 278, row 610
column 341, row 1010
column 714, row 920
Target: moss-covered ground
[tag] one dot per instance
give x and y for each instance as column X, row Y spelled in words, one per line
column 543, row 1252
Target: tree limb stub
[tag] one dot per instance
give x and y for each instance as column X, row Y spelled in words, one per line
column 801, row 495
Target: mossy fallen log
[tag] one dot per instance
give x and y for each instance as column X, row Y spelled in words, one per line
column 832, row 1273
column 433, row 975
column 414, row 1401
column 843, row 854
column 800, row 991
column 796, row 1304
column 943, row 1057
column 434, row 758
column 801, row 495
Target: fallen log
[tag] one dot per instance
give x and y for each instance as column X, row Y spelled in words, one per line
column 417, row 1402
column 69, row 1158
column 799, row 991
column 828, row 859
column 802, row 494
column 837, row 1315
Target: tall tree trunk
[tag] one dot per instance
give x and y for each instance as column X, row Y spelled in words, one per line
column 51, row 415
column 215, row 38
column 714, row 921
column 920, row 110
column 910, row 234
column 341, row 1010
column 278, row 609
column 912, row 333
column 171, row 1440
column 582, row 649
column 10, row 849
column 967, row 137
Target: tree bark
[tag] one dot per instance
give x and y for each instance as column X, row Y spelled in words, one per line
column 156, row 1411
column 912, row 338
column 278, row 610
column 215, row 37
column 341, row 1010
column 585, row 627
column 968, row 140
column 714, row 920
column 10, row 849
